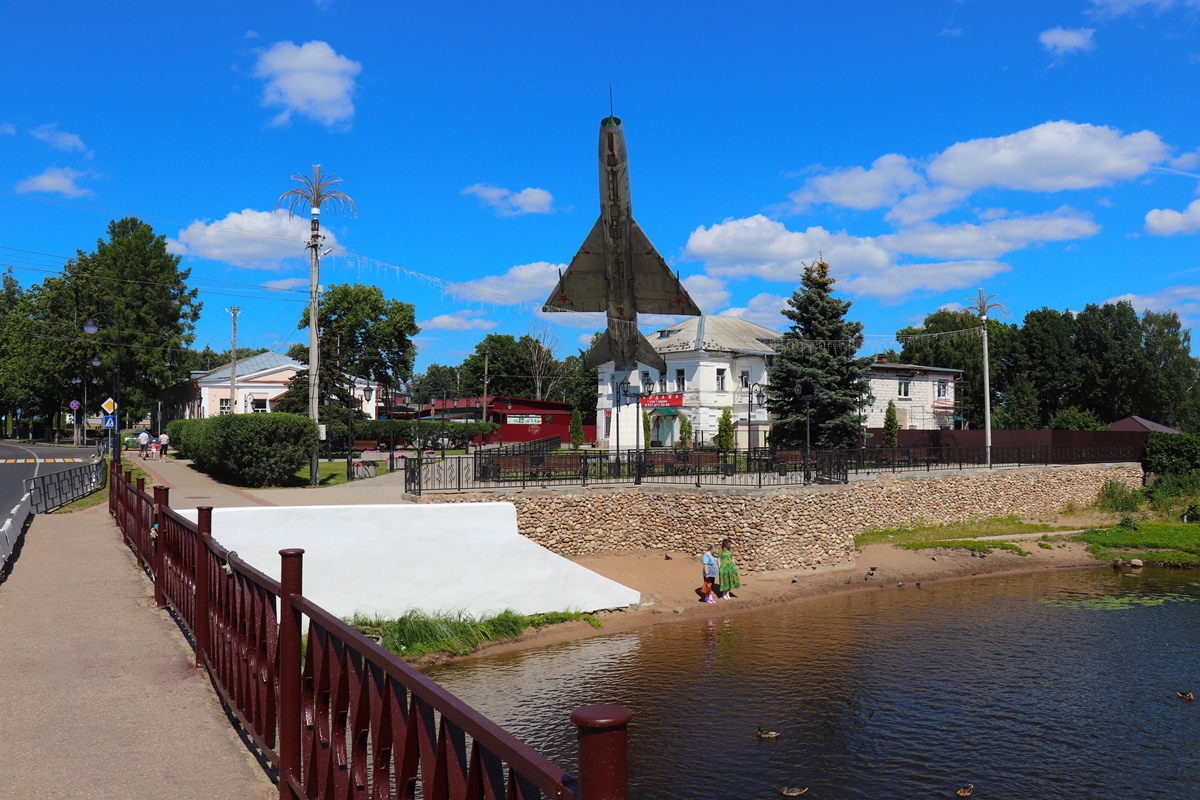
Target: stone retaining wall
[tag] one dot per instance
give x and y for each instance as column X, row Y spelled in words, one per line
column 791, row 527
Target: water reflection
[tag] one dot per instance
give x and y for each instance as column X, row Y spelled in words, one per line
column 896, row 693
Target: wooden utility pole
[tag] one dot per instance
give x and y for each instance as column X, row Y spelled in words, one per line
column 233, row 365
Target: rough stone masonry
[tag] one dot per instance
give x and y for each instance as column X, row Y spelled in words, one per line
column 788, row 527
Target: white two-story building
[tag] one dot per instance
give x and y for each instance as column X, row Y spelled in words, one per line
column 924, row 396
column 713, row 363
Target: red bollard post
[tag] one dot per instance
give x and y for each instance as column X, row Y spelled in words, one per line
column 291, row 584
column 603, row 756
column 204, row 535
column 161, row 498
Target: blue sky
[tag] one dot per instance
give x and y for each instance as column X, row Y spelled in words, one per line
column 1046, row 151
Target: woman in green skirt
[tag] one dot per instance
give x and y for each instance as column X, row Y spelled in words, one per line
column 728, row 575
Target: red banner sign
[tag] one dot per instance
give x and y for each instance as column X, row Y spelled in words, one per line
column 674, row 400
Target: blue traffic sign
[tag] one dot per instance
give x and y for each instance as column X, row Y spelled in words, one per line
column 110, row 421
column 75, row 405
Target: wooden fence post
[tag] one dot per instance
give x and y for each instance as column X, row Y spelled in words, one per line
column 603, row 752
column 291, row 585
column 203, row 536
column 139, row 536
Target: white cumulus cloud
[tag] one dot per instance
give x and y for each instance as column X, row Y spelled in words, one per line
column 465, row 320
column 1183, row 300
column 59, row 140
column 1167, row 222
column 708, row 293
column 889, row 177
column 764, row 309
column 992, row 239
column 508, row 203
column 894, row 282
column 1060, row 41
column 310, row 80
column 762, row 247
column 1051, row 157
column 522, row 283
column 55, row 180
column 248, row 238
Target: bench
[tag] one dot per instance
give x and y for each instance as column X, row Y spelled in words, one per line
column 366, row 444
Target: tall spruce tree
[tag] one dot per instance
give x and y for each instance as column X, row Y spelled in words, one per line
column 818, row 350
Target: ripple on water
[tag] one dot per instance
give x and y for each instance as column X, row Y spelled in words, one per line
column 1051, row 685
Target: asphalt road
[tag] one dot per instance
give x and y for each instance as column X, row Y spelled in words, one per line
column 13, row 475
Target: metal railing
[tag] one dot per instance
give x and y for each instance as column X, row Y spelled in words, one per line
column 345, row 718
column 48, row 492
column 763, row 467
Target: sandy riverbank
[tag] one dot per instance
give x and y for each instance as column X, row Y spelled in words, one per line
column 668, row 587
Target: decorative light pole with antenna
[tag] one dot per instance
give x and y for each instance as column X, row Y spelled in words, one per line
column 981, row 305
column 315, row 191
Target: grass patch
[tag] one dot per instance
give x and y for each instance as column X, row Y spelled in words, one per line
column 1149, row 541
column 996, row 526
column 1116, row 496
column 1045, row 545
column 332, row 473
column 101, row 497
column 419, row 634
column 984, row 548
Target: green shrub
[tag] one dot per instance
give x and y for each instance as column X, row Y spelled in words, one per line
column 1191, row 513
column 177, row 431
column 250, row 449
column 1172, row 453
column 725, row 430
column 1116, row 496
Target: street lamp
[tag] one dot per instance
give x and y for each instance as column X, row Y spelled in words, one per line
column 647, row 390
column 91, row 329
column 368, row 393
column 443, row 425
column 754, row 393
column 807, row 398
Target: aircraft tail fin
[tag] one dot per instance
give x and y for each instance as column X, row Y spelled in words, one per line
column 603, row 351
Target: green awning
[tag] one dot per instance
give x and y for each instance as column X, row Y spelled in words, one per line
column 666, row 412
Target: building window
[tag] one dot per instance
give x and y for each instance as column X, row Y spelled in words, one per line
column 720, row 380
column 680, row 381
column 902, row 387
column 645, row 378
column 942, row 387
column 662, row 383
column 259, row 406
column 224, row 405
column 745, row 379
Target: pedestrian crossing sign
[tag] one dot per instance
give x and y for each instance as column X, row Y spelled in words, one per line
column 110, row 421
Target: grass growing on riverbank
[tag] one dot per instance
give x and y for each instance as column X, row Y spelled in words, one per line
column 934, row 535
column 419, row 634
column 1149, row 541
column 984, row 548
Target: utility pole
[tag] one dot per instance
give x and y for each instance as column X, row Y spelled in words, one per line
column 233, row 366
column 981, row 305
column 483, row 436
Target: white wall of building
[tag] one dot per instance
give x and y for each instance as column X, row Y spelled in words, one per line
column 922, row 408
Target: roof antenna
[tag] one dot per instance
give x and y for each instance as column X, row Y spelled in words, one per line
column 610, row 105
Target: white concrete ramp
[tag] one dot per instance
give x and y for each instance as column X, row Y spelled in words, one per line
column 384, row 560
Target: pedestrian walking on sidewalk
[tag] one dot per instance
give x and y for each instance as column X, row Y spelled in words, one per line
column 710, row 571
column 143, row 441
column 727, row 576
column 163, row 441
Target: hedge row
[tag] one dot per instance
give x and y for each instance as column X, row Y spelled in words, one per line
column 247, row 449
column 1172, row 453
column 405, row 432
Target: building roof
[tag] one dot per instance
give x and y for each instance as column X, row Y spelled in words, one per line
column 719, row 333
column 248, row 366
column 1136, row 423
column 911, row 367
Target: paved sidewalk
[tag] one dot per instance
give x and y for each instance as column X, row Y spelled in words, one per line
column 191, row 488
column 101, row 698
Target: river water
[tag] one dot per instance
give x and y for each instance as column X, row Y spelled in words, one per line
column 1048, row 685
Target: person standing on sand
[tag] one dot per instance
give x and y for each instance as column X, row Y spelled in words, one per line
column 727, row 576
column 709, row 560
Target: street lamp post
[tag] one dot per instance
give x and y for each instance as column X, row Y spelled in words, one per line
column 754, row 393
column 807, row 398
column 368, row 393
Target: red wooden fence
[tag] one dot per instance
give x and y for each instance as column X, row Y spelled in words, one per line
column 347, row 719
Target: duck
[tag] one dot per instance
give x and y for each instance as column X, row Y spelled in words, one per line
column 1186, row 696
column 966, row 791
column 762, row 734
column 792, row 792
column 899, row 584
column 849, row 580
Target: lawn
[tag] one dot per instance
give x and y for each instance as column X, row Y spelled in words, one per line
column 333, row 473
column 921, row 536
column 97, row 498
column 1149, row 541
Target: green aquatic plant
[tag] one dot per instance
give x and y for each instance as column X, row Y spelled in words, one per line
column 1119, row 603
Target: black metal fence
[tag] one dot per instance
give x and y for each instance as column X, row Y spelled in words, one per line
column 48, row 492
column 491, row 469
